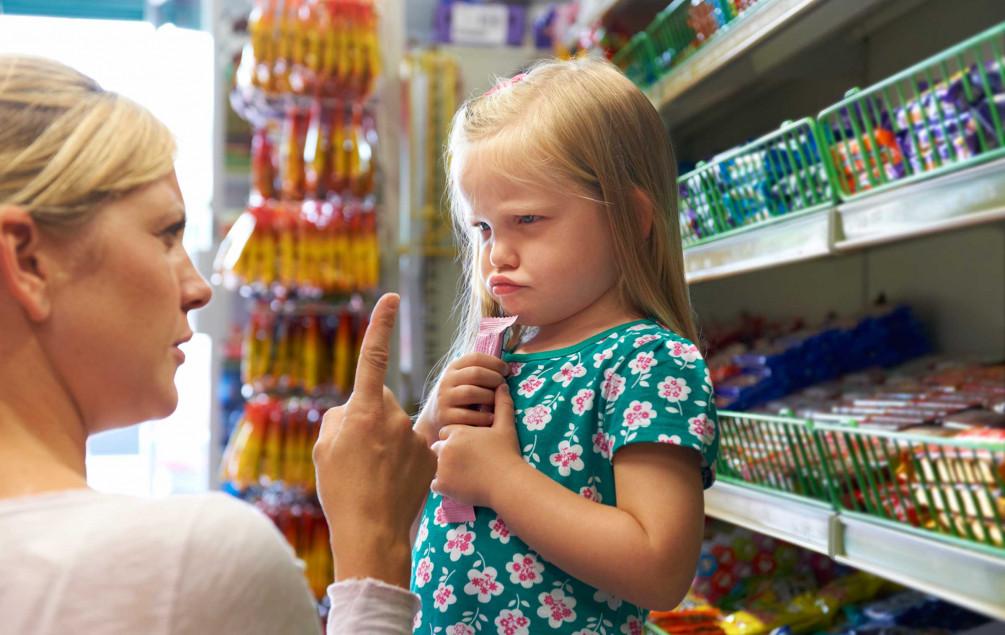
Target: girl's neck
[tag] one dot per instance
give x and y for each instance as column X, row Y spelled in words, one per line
column 607, row 312
column 42, row 439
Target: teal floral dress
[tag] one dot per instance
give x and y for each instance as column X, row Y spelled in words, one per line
column 575, row 408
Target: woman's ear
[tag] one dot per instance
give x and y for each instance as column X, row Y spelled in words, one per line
column 644, row 209
column 21, row 269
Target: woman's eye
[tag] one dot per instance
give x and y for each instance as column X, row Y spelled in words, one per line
column 526, row 219
column 173, row 234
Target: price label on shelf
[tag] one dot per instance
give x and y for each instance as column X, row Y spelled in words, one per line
column 484, row 24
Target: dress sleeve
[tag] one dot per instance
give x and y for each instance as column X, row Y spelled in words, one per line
column 370, row 606
column 660, row 392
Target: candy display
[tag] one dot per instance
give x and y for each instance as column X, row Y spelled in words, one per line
column 313, row 47
column 945, row 111
column 781, row 173
column 751, row 584
column 273, row 443
column 769, row 368
column 308, row 353
column 307, row 249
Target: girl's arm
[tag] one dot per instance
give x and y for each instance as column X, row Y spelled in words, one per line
column 645, row 550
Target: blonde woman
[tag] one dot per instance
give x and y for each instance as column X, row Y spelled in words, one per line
column 95, row 288
column 588, row 477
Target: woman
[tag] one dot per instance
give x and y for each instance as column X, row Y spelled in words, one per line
column 95, row 288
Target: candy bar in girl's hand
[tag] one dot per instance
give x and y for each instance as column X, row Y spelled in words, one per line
column 490, row 342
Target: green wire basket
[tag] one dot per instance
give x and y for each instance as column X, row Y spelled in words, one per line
column 683, row 27
column 947, row 486
column 775, row 453
column 635, row 60
column 941, row 115
column 782, row 174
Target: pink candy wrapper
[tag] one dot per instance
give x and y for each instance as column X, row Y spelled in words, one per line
column 490, row 342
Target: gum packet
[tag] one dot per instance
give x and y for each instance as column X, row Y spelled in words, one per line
column 490, row 342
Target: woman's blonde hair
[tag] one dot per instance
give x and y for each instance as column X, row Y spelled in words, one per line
column 67, row 145
column 579, row 123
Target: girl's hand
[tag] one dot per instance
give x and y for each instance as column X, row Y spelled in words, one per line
column 469, row 381
column 473, row 461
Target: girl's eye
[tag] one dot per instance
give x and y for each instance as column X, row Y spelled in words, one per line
column 526, row 219
column 483, row 227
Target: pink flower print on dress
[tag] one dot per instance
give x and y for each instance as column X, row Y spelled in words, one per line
column 671, row 440
column 645, row 339
column 515, row 368
column 525, row 570
column 613, row 602
column 684, row 350
column 459, row 543
column 483, row 584
column 500, row 531
column 530, row 386
column 423, row 572
column 568, row 372
column 603, row 443
column 417, row 620
column 460, row 628
column 586, row 631
column 512, row 623
column 612, row 386
column 582, row 402
column 444, row 596
column 703, row 428
column 639, row 414
column 568, row 459
column 423, row 532
column 536, row 417
column 591, row 494
column 440, row 516
column 633, row 627
column 556, row 607
column 674, row 389
column 603, row 356
column 643, row 363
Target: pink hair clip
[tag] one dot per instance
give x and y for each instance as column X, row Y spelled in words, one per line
column 506, row 83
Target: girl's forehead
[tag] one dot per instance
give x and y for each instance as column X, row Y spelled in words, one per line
column 489, row 175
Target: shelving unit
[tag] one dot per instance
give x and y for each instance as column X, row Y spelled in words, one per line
column 967, row 577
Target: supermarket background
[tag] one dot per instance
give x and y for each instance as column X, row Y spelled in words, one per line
column 842, row 199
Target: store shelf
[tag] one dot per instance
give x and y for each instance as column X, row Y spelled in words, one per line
column 768, row 34
column 969, row 577
column 801, row 522
column 969, row 197
column 784, row 241
column 966, row 577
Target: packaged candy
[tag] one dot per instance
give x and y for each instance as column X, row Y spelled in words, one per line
column 491, row 332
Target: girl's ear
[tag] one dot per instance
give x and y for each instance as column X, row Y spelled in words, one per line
column 21, row 268
column 644, row 210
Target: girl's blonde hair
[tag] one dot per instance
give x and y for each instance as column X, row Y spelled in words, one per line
column 579, row 123
column 67, row 145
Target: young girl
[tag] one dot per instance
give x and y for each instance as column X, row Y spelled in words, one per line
column 588, row 484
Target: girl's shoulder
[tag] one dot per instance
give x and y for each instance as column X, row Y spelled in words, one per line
column 647, row 335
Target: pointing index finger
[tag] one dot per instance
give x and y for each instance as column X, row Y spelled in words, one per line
column 371, row 369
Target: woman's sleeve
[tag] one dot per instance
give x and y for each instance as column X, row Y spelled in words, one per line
column 661, row 392
column 370, row 606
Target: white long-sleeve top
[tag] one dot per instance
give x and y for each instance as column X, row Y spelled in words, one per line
column 85, row 562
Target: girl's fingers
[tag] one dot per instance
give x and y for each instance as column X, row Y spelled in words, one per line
column 468, row 395
column 474, row 376
column 480, row 360
column 466, row 417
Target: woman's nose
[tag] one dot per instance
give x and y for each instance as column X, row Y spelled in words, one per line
column 195, row 291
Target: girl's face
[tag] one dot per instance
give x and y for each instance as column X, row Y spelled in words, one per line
column 119, row 308
column 546, row 253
